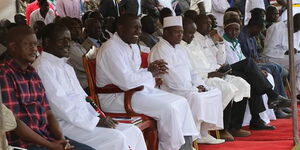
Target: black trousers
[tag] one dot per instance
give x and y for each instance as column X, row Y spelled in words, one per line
column 233, row 114
column 248, row 70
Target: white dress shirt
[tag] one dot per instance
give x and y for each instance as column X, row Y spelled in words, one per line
column 36, row 16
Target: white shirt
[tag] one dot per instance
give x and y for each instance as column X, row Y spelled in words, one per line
column 296, row 9
column 276, row 42
column 251, row 4
column 76, row 53
column 64, row 93
column 69, row 8
column 218, row 9
column 233, row 52
column 215, row 54
column 168, row 4
column 180, row 76
column 198, row 59
column 207, row 5
column 125, row 62
column 36, row 16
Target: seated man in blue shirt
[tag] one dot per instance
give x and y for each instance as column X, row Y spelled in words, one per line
column 249, row 49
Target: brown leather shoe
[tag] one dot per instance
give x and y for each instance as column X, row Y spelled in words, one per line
column 224, row 134
column 239, row 132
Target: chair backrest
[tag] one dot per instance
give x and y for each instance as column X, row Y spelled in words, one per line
column 144, row 57
column 90, row 71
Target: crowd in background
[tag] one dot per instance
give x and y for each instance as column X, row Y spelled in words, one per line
column 216, row 57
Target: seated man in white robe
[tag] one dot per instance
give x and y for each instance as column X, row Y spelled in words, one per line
column 118, row 62
column 206, row 104
column 246, row 68
column 276, row 46
column 232, row 87
column 76, row 117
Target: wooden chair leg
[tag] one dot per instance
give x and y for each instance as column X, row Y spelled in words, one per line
column 152, row 139
column 195, row 143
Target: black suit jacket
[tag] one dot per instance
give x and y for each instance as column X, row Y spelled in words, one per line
column 108, row 8
column 129, row 6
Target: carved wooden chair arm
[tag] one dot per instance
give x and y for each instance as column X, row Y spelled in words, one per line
column 110, row 89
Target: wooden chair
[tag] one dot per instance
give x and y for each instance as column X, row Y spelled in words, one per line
column 148, row 126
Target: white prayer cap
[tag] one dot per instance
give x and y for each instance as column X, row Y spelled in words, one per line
column 172, row 21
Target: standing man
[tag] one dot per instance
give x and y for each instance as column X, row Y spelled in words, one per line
column 118, row 62
column 71, row 8
column 32, row 7
column 77, row 118
column 201, row 6
column 251, row 4
column 109, row 8
column 218, row 10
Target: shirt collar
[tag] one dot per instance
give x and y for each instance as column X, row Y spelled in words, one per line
column 95, row 42
column 13, row 64
column 53, row 58
column 167, row 43
column 183, row 43
column 225, row 36
column 118, row 38
column 199, row 35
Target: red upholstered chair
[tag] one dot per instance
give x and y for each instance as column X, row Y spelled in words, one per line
column 148, row 125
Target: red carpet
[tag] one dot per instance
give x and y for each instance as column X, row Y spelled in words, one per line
column 279, row 139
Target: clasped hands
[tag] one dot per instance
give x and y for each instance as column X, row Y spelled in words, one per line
column 158, row 67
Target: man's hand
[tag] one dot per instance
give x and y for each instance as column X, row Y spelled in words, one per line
column 215, row 74
column 265, row 73
column 158, row 82
column 201, row 88
column 158, row 67
column 215, row 36
column 107, row 123
column 60, row 145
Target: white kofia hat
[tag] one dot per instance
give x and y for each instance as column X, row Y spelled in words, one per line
column 172, row 21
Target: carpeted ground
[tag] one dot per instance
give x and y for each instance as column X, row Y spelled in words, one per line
column 279, row 139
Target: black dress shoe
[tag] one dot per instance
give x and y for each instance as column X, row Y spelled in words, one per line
column 287, row 110
column 281, row 114
column 278, row 102
column 260, row 125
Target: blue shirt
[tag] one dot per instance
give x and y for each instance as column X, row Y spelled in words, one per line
column 248, row 44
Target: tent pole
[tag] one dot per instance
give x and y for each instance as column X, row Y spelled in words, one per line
column 292, row 71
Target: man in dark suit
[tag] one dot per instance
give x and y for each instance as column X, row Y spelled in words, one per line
column 130, row 6
column 109, row 8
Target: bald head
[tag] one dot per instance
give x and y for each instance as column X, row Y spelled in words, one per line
column 22, row 45
column 129, row 28
column 93, row 28
column 125, row 19
column 17, row 33
column 203, row 24
column 189, row 29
